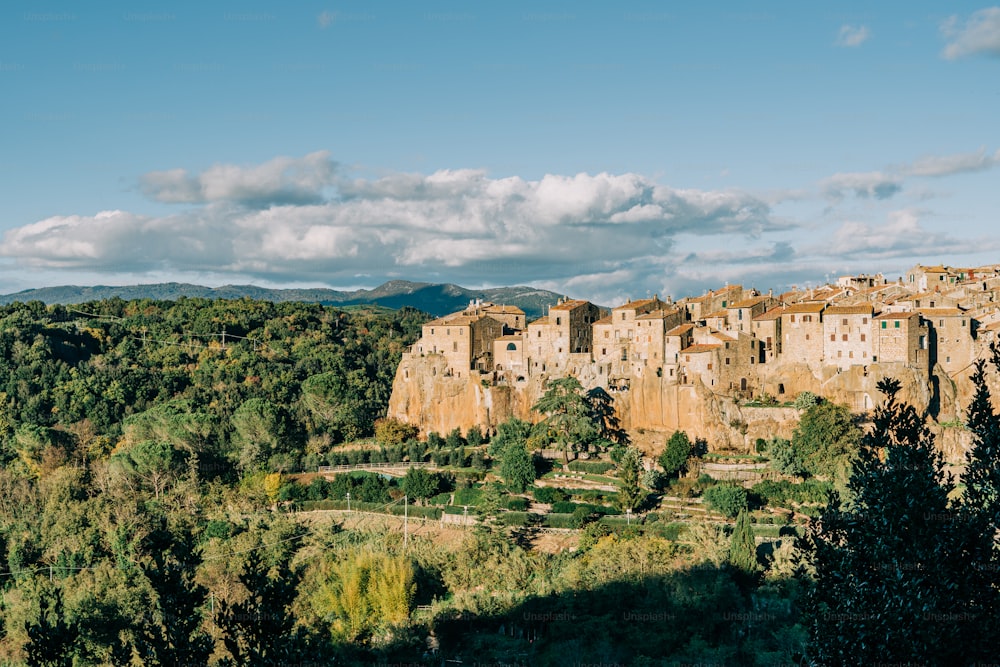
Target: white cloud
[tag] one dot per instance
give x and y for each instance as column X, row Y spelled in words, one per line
column 853, row 36
column 280, row 180
column 944, row 165
column 871, row 184
column 979, row 34
column 901, row 235
column 273, row 223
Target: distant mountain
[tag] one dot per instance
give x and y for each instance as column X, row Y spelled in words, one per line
column 436, row 299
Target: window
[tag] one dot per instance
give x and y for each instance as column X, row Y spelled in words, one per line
column 843, row 322
column 833, row 337
column 432, row 332
column 807, row 336
column 883, row 324
column 851, row 354
column 558, row 321
column 862, row 338
column 539, row 333
column 710, row 366
column 840, row 353
column 727, row 361
column 447, row 332
column 560, row 350
column 454, row 346
column 864, row 320
column 623, row 317
column 896, row 322
column 844, row 338
column 791, row 318
column 940, row 323
column 511, row 346
column 947, row 360
column 604, row 351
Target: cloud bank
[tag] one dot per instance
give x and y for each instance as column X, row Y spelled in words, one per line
column 601, row 236
column 851, row 36
column 977, row 35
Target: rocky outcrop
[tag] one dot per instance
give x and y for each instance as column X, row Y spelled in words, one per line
column 654, row 407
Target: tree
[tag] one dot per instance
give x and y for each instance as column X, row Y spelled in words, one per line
column 568, row 416
column 474, row 436
column 258, row 629
column 602, row 413
column 675, row 453
column 784, row 457
column 743, row 546
column 980, row 501
column 726, row 499
column 52, row 640
column 827, row 438
column 419, row 484
column 517, row 468
column 892, row 582
column 513, row 430
column 260, row 430
column 391, row 431
column 630, row 495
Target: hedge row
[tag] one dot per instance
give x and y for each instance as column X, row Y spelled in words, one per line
column 592, row 467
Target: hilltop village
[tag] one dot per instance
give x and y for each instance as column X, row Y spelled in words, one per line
column 696, row 363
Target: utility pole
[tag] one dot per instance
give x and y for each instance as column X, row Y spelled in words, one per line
column 348, row 502
column 406, row 516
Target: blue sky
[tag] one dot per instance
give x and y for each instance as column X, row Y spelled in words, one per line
column 604, row 150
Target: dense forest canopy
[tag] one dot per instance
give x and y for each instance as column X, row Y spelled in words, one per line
column 252, row 383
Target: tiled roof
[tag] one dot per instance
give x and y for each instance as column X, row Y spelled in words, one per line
column 807, row 307
column 700, row 347
column 493, row 308
column 679, row 330
column 859, row 309
column 895, row 316
column 455, row 319
column 719, row 313
column 941, row 312
column 607, row 319
column 770, row 314
column 569, row 305
column 544, row 319
column 748, row 303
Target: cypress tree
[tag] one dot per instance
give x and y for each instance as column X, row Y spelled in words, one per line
column 743, row 547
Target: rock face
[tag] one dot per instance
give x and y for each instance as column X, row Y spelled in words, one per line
column 654, row 407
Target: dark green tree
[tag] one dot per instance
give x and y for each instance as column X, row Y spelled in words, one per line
column 602, row 413
column 726, row 499
column 517, row 468
column 568, row 417
column 826, row 439
column 420, row 484
column 258, row 630
column 892, row 582
column 743, row 546
column 630, row 494
column 513, row 430
column 51, row 641
column 675, row 453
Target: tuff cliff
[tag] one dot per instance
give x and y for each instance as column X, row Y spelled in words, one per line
column 653, row 407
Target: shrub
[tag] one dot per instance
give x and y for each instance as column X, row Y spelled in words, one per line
column 592, row 467
column 563, row 507
column 468, row 496
column 560, row 521
column 726, row 499
column 440, row 499
column 516, row 504
column 519, row 518
column 548, row 494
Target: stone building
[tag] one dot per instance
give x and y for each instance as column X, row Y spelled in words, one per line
column 802, row 333
column 899, row 338
column 465, row 341
column 951, row 338
column 847, row 336
column 767, row 329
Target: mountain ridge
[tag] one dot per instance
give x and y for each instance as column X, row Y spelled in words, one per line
column 435, row 298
